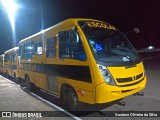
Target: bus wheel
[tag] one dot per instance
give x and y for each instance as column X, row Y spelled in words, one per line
column 7, row 75
column 4, row 74
column 72, row 100
column 29, row 85
column 64, row 93
column 15, row 78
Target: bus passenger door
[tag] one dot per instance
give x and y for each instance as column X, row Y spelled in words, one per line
column 51, row 65
column 52, row 83
column 38, row 66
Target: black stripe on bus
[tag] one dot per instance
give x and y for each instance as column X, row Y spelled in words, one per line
column 80, row 73
column 10, row 66
column 13, row 66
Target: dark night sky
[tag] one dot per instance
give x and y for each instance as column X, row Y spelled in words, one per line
column 33, row 15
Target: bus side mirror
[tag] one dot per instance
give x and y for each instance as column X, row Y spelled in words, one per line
column 136, row 30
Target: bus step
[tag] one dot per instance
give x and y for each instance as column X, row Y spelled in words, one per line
column 139, row 94
column 122, row 103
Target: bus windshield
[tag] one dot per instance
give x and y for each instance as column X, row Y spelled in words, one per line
column 107, row 43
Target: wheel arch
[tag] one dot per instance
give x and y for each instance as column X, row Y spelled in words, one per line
column 15, row 75
column 25, row 76
column 66, row 86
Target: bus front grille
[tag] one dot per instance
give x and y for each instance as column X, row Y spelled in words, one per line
column 129, row 79
column 122, row 80
column 131, row 83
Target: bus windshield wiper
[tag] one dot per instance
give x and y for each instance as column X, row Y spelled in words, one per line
column 125, row 58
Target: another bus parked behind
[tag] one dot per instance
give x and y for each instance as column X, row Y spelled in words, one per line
column 11, row 63
column 1, row 63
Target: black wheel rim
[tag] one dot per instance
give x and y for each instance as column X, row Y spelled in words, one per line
column 72, row 99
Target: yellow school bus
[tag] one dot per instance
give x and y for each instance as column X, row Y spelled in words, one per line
column 81, row 61
column 1, row 63
column 11, row 63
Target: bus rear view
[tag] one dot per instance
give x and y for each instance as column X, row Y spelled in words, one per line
column 116, row 69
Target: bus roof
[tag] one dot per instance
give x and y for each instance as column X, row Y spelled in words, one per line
column 11, row 50
column 65, row 22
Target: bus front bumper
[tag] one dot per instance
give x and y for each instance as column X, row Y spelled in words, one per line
column 112, row 93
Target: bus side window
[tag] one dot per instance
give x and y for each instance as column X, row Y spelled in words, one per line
column 63, row 44
column 51, row 47
column 6, row 57
column 28, row 50
column 13, row 57
column 38, row 48
column 20, row 51
column 71, row 46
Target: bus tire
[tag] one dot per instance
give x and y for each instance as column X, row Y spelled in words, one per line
column 4, row 74
column 7, row 75
column 72, row 101
column 29, row 85
column 64, row 95
column 15, row 78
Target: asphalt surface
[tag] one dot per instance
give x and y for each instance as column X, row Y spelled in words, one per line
column 13, row 98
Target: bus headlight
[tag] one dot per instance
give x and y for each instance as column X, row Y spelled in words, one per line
column 106, row 75
column 104, row 72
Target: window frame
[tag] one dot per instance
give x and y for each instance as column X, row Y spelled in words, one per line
column 70, row 45
column 13, row 56
column 27, row 54
column 6, row 59
column 54, row 47
column 36, row 43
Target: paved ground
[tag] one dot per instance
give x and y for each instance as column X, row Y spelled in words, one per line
column 13, row 98
column 149, row 102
